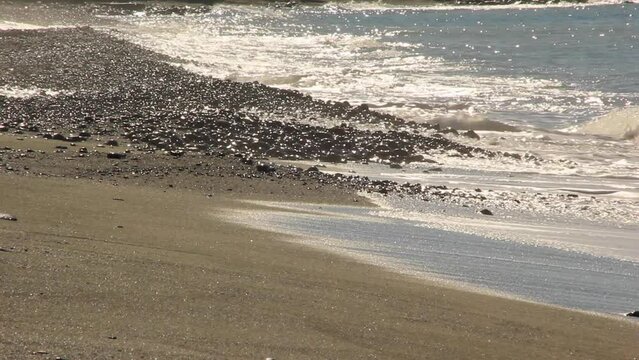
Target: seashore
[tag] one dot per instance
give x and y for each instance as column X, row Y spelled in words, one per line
column 124, row 257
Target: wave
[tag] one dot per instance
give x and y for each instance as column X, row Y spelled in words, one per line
column 479, row 5
column 619, row 124
column 465, row 121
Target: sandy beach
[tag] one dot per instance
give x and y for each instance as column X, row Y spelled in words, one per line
column 102, row 271
column 124, row 256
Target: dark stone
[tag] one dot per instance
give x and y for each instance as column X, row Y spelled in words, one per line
column 3, row 128
column 395, row 166
column 449, row 130
column 486, row 212
column 58, row 136
column 265, row 168
column 115, row 155
column 83, row 150
column 633, row 314
column 111, row 142
column 312, row 169
column 74, row 138
column 470, row 134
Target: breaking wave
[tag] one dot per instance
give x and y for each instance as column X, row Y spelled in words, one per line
column 619, row 124
column 465, row 121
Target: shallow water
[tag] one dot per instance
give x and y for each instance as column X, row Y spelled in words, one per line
column 533, row 272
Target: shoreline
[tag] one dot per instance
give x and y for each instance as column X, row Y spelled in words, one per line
column 113, row 253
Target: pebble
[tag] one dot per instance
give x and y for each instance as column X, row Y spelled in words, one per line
column 8, row 217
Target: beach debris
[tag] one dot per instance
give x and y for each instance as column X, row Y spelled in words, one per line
column 116, row 155
column 486, row 212
column 8, row 217
column 633, row 314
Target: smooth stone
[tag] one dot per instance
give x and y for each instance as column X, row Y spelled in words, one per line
column 8, row 217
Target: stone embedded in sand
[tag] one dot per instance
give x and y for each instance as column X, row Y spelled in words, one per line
column 111, row 142
column 115, row 155
column 265, row 168
column 486, row 212
column 633, row 314
column 8, row 217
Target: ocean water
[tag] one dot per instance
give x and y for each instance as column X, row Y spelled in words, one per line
column 560, row 82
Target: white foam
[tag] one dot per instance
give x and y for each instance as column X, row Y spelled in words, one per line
column 18, row 92
column 12, row 25
column 382, row 6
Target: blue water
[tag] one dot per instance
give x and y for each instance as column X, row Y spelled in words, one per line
column 549, row 67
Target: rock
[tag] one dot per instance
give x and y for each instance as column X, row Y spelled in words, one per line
column 58, row 136
column 633, row 314
column 111, row 142
column 115, row 155
column 470, row 134
column 74, row 138
column 312, row 169
column 265, row 168
column 395, row 166
column 83, row 150
column 8, row 217
column 486, row 212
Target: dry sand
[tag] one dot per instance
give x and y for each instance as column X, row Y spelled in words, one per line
column 93, row 270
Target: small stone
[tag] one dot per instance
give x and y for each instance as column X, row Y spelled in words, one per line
column 312, row 169
column 8, row 217
column 265, row 168
column 470, row 134
column 633, row 314
column 114, row 155
column 486, row 212
column 395, row 166
column 111, row 142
